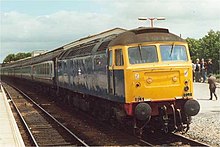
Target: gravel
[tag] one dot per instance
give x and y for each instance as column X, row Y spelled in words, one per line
column 205, row 127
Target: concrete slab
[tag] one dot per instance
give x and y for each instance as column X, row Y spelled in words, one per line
column 9, row 132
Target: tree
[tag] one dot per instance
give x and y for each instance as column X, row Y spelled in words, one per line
column 18, row 56
column 211, row 48
column 194, row 46
column 206, row 47
column 22, row 56
column 9, row 58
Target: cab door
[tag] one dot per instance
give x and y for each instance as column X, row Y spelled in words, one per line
column 116, row 73
column 111, row 87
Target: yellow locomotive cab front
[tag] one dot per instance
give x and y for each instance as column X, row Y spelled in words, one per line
column 159, row 79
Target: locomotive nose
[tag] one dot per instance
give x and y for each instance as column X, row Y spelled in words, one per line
column 142, row 111
column 191, row 107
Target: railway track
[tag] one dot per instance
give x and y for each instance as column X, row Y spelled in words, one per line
column 101, row 134
column 43, row 128
column 150, row 139
column 170, row 139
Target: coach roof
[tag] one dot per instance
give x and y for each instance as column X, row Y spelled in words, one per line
column 144, row 34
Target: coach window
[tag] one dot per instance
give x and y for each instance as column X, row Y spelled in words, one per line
column 51, row 70
column 48, row 68
column 64, row 67
column 42, row 68
column 119, row 57
column 45, row 68
column 39, row 69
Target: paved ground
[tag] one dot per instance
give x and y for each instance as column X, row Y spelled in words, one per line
column 201, row 93
column 205, row 126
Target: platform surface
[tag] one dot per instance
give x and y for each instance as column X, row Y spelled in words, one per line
column 9, row 132
column 201, row 93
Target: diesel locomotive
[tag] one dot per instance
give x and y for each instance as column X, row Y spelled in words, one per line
column 141, row 76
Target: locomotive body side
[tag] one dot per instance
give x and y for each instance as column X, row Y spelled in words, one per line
column 87, row 72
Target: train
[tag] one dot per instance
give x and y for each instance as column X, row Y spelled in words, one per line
column 141, row 77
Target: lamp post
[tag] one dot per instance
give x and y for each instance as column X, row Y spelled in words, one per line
column 151, row 19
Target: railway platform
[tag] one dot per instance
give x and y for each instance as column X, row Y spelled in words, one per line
column 201, row 93
column 9, row 132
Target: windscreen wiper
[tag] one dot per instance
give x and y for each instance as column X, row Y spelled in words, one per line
column 139, row 47
column 171, row 50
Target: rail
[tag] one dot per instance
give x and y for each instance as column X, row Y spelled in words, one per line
column 22, row 119
column 45, row 112
column 170, row 139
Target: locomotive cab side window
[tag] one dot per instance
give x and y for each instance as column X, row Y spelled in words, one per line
column 119, row 57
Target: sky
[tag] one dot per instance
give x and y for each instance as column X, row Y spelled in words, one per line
column 28, row 25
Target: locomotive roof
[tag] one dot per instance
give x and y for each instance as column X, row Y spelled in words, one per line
column 98, row 45
column 91, row 38
column 95, row 43
column 144, row 34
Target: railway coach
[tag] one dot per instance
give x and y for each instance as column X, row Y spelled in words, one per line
column 143, row 76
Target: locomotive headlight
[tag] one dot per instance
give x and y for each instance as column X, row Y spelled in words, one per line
column 174, row 79
column 149, row 80
column 186, row 88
